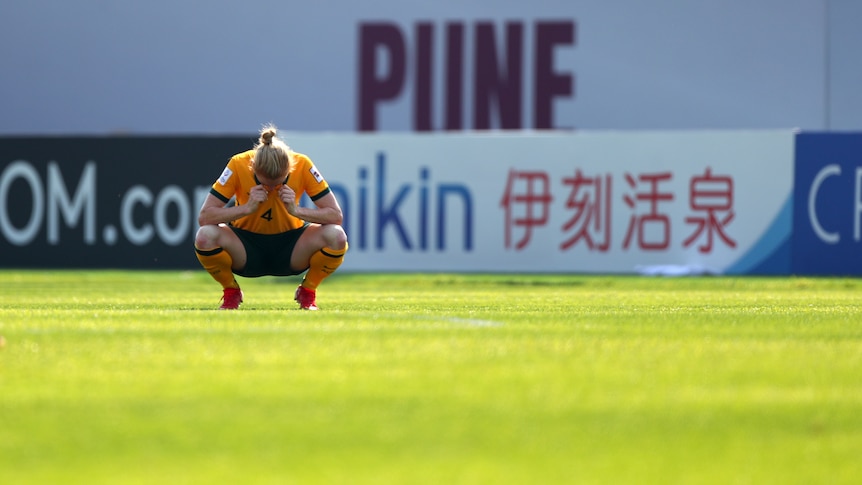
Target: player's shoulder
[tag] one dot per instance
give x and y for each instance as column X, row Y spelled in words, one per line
column 301, row 159
column 242, row 158
column 305, row 167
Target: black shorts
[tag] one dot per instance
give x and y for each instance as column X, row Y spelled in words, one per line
column 268, row 254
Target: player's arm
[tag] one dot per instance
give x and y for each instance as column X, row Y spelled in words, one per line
column 214, row 211
column 327, row 210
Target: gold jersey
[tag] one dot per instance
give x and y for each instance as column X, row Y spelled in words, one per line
column 271, row 216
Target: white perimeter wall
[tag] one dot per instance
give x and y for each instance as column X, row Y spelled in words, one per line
column 227, row 66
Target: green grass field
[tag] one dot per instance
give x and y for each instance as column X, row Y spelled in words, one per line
column 115, row 378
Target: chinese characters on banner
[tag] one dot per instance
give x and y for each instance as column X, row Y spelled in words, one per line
column 588, row 203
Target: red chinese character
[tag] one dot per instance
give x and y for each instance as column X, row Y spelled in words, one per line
column 638, row 223
column 590, row 201
column 711, row 195
column 529, row 191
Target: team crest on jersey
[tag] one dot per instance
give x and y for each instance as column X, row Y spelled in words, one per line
column 316, row 174
column 225, row 176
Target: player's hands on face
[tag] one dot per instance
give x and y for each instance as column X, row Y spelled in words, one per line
column 288, row 196
column 256, row 195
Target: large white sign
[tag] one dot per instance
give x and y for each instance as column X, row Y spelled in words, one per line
column 572, row 202
column 227, row 66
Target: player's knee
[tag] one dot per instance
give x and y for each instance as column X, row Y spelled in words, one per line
column 207, row 237
column 335, row 236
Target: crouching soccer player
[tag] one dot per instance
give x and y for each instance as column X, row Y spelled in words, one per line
column 266, row 232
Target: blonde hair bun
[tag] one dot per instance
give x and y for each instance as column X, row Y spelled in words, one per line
column 267, row 134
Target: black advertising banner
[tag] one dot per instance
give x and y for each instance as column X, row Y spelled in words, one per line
column 106, row 202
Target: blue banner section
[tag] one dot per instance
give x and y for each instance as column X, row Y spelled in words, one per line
column 827, row 214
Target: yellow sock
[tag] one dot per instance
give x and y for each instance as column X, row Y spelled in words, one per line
column 323, row 263
column 217, row 262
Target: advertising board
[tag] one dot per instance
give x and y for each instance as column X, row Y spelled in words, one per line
column 827, row 217
column 604, row 202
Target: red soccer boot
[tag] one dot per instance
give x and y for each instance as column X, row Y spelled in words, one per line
column 305, row 298
column 231, row 299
